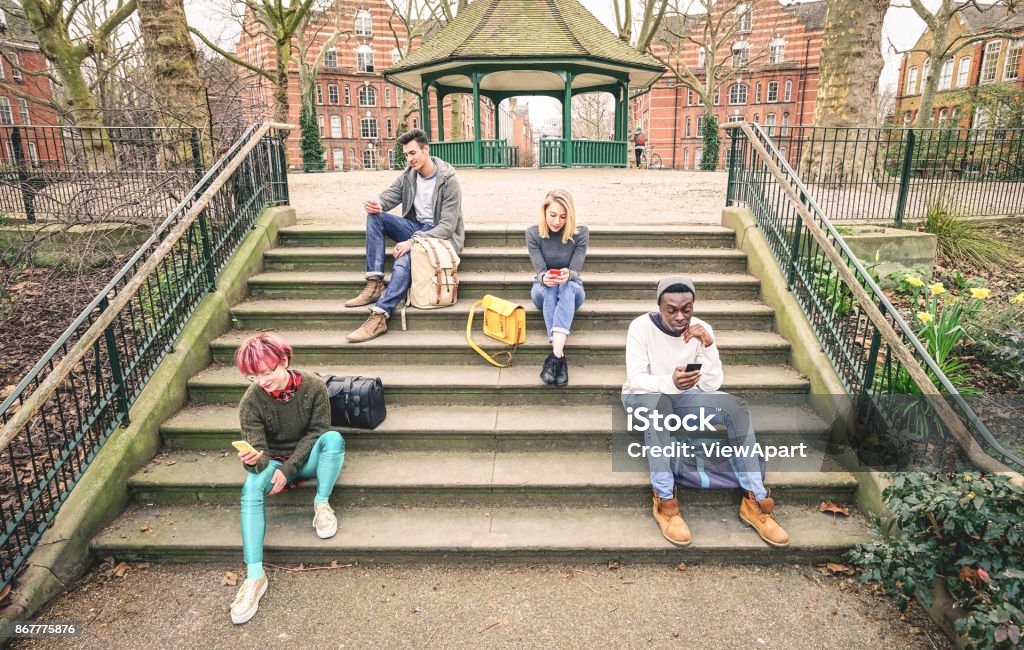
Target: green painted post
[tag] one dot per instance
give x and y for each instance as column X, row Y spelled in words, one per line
column 732, row 163
column 567, row 120
column 440, row 117
column 477, row 153
column 618, row 112
column 426, row 110
column 908, row 156
column 794, row 253
column 116, row 373
column 869, row 376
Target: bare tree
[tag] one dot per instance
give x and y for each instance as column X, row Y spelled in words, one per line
column 592, row 116
column 650, row 17
column 886, row 105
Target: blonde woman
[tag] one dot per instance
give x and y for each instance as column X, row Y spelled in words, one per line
column 557, row 247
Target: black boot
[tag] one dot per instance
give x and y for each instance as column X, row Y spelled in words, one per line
column 561, row 371
column 547, row 375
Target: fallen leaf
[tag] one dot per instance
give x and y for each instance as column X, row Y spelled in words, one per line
column 121, row 569
column 171, row 462
column 614, row 564
column 681, row 566
column 834, row 568
column 230, row 579
column 829, row 506
column 142, row 565
column 971, row 577
column 146, row 528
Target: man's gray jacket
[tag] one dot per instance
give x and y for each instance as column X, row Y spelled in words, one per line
column 447, row 202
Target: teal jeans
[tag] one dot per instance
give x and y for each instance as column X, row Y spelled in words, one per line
column 324, row 464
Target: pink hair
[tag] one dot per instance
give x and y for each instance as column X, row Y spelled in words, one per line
column 261, row 352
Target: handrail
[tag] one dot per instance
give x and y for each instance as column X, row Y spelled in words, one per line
column 970, row 446
column 76, row 353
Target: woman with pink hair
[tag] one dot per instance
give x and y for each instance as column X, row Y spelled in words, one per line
column 286, row 417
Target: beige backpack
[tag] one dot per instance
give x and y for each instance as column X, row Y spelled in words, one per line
column 435, row 274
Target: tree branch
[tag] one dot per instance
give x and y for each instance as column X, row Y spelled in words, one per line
column 231, row 57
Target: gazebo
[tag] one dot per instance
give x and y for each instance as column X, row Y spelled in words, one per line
column 505, row 48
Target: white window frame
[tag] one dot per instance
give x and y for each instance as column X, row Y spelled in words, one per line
column 769, row 123
column 738, row 60
column 787, row 94
column 320, row 124
column 701, row 57
column 26, row 117
column 943, row 113
column 777, row 51
column 785, row 124
column 735, row 118
column 911, row 88
column 757, row 93
column 717, row 99
column 332, row 94
column 367, row 96
column 6, row 114
column 336, row 126
column 963, row 72
column 1011, row 66
column 991, row 56
column 924, row 72
column 364, row 23
column 364, row 60
column 396, row 55
column 368, row 128
column 744, row 16
column 738, row 94
column 3, row 73
column 387, row 96
column 348, row 95
column 331, row 58
column 772, row 97
column 946, row 75
column 33, row 154
column 319, row 95
column 348, row 128
column 15, row 62
column 389, row 128
column 369, row 158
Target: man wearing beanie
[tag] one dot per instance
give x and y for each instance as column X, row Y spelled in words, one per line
column 659, row 346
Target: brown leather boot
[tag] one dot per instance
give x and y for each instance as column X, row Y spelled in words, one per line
column 370, row 293
column 674, row 529
column 374, row 326
column 760, row 515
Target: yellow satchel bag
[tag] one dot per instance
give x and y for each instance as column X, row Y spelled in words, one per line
column 503, row 321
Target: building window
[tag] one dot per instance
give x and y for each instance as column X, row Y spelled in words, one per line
column 348, row 95
column 335, row 126
column 700, row 100
column 757, row 118
column 963, row 72
column 906, row 119
column 320, row 124
column 946, row 76
column 25, row 117
column 1012, row 69
column 785, row 124
column 773, row 91
column 777, row 51
column 332, row 94
column 740, row 54
column 331, row 58
column 367, row 96
column 924, row 72
column 415, row 122
column 319, row 94
column 700, row 126
column 744, row 18
column 348, row 128
column 942, row 117
column 369, row 158
column 911, row 88
column 15, row 62
column 387, row 95
column 364, row 23
column 787, row 96
column 689, row 97
column 33, row 154
column 738, row 93
column 697, row 156
column 368, row 128
column 351, row 154
column 735, row 118
column 701, row 54
column 6, row 117
column 686, row 158
column 769, row 123
column 990, row 61
column 391, row 158
column 390, row 128
column 3, row 75
column 364, row 59
column 757, row 93
column 688, row 124
column 718, row 96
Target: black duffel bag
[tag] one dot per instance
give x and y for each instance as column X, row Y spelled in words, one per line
column 356, row 402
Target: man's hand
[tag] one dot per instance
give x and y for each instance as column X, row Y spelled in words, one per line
column 685, row 380
column 402, row 247
column 278, row 480
column 698, row 331
column 372, row 207
column 250, row 457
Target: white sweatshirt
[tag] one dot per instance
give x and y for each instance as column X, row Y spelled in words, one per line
column 652, row 356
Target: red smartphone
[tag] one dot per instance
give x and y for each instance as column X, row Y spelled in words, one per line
column 558, row 272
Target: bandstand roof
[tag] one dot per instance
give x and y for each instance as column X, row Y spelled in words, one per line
column 519, row 45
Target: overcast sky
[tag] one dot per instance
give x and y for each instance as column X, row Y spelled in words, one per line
column 902, row 27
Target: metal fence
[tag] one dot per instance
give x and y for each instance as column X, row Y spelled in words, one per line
column 108, row 173
column 60, row 414
column 895, row 174
column 874, row 353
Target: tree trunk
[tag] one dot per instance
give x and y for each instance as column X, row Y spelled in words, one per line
column 455, row 128
column 851, row 62
column 284, row 55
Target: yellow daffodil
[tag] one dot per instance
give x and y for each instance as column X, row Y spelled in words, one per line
column 937, row 288
column 913, row 280
column 924, row 317
column 980, row 294
column 1018, row 299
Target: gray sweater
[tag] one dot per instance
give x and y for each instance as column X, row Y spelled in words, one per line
column 447, row 202
column 551, row 253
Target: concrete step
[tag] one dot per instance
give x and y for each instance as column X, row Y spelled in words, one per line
column 192, row 533
column 510, row 286
column 639, row 236
column 444, row 347
column 485, row 428
column 492, row 259
column 496, row 479
column 480, row 383
column 593, row 315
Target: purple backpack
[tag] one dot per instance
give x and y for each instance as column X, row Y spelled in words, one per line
column 701, row 471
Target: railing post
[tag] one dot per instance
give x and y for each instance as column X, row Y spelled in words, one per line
column 116, row 374
column 901, row 201
column 869, row 373
column 204, row 234
column 197, row 154
column 28, row 195
column 282, row 171
column 794, row 251
column 733, row 146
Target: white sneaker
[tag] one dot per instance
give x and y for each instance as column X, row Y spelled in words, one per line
column 324, row 521
column 247, row 602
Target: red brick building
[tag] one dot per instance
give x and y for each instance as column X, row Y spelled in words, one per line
column 778, row 87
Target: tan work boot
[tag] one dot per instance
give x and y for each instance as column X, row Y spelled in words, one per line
column 370, row 293
column 760, row 516
column 374, row 326
column 674, row 529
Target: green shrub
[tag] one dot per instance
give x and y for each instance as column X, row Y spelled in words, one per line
column 997, row 340
column 968, row 531
column 965, row 242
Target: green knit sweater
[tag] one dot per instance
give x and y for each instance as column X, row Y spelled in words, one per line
column 285, row 428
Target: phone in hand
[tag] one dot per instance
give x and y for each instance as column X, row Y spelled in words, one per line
column 690, row 367
column 244, row 447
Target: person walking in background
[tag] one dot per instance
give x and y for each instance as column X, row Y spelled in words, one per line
column 557, row 247
column 639, row 144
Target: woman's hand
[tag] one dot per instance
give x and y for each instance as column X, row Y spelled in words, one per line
column 564, row 277
column 549, row 280
column 250, row 457
column 278, row 480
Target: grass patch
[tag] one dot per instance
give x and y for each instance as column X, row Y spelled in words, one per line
column 965, row 242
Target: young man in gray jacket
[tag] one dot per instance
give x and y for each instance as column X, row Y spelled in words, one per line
column 431, row 207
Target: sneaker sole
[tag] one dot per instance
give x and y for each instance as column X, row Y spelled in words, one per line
column 244, row 618
column 758, row 531
column 329, row 534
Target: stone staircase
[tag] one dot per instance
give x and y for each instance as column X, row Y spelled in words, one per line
column 476, row 463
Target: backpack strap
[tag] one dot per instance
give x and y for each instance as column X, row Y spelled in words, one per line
column 469, row 339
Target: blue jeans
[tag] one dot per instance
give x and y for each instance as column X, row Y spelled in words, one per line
column 324, row 464
column 734, row 414
column 559, row 304
column 378, row 227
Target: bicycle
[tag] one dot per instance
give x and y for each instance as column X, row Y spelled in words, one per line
column 650, row 160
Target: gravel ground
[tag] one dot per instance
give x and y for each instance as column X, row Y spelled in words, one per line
column 540, row 606
column 512, row 196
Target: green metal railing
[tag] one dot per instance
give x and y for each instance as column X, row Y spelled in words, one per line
column 903, row 400
column 463, row 153
column 585, row 153
column 61, row 413
column 894, row 174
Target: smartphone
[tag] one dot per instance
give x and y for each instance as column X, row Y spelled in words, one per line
column 690, row 367
column 244, row 447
